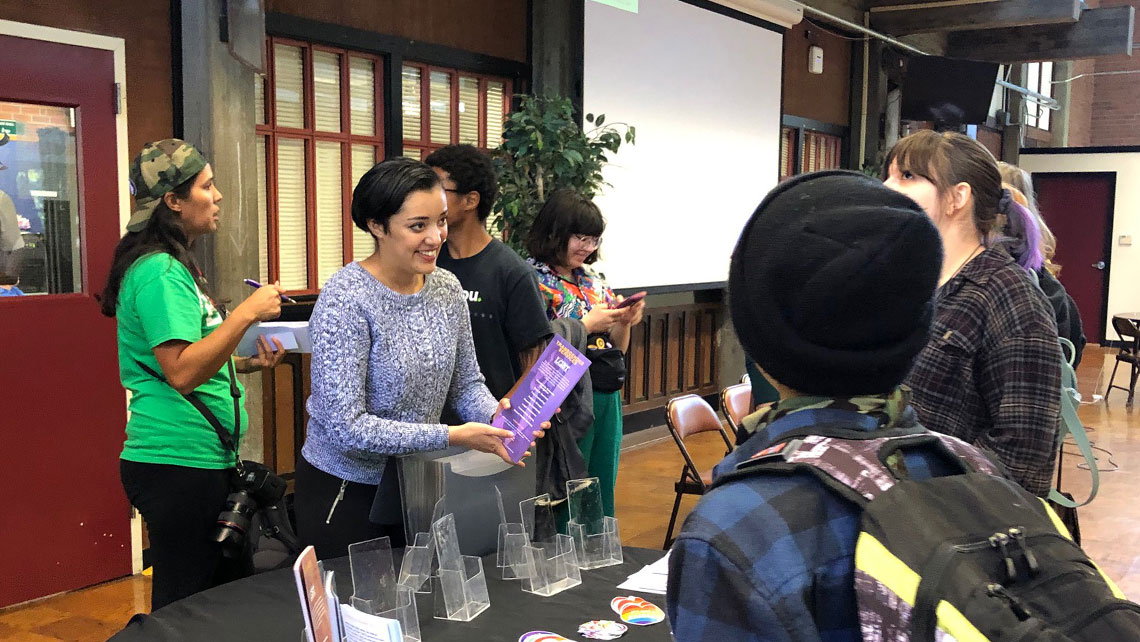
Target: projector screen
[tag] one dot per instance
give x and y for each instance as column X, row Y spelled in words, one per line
column 703, row 91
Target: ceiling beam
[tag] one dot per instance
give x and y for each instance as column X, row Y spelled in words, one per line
column 1100, row 32
column 850, row 10
column 976, row 15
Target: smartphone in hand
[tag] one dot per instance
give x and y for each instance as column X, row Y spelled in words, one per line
column 629, row 300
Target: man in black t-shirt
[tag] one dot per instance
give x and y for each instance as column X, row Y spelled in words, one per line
column 508, row 317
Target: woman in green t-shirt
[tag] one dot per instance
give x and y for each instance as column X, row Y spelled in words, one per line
column 174, row 467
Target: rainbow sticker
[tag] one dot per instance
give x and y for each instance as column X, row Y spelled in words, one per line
column 542, row 636
column 635, row 610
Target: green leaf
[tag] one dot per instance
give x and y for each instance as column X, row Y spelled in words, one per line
column 601, row 119
column 589, row 118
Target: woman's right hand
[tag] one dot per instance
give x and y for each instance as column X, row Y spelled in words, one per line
column 481, row 437
column 601, row 318
column 264, row 304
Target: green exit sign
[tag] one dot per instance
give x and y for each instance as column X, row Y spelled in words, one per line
column 624, row 5
column 11, row 127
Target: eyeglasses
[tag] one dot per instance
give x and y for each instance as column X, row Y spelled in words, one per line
column 588, row 241
column 453, row 190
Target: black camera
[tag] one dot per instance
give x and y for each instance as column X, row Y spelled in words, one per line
column 254, row 487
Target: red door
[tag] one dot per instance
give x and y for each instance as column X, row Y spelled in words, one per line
column 66, row 520
column 1078, row 208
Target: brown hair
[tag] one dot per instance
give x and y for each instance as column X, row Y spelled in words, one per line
column 950, row 158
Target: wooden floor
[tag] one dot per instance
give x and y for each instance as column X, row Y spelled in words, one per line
column 645, row 498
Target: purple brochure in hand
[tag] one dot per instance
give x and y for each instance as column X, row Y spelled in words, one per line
column 539, row 393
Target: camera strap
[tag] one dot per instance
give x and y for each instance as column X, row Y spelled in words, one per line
column 229, row 441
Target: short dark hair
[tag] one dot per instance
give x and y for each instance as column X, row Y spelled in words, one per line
column 565, row 214
column 471, row 170
column 383, row 189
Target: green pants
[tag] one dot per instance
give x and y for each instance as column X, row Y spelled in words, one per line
column 602, row 445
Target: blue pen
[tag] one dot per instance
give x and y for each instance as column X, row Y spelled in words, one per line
column 254, row 284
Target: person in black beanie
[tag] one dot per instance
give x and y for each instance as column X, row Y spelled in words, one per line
column 831, row 291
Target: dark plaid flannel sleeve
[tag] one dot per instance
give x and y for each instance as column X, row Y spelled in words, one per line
column 1020, row 380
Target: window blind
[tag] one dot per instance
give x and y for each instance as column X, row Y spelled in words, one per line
column 288, row 76
column 330, row 211
column 363, row 158
column 326, row 91
column 440, row 103
column 292, row 226
column 468, row 109
column 362, row 96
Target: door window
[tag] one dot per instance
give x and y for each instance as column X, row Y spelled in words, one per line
column 39, row 201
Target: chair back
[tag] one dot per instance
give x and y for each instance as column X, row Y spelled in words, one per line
column 1127, row 331
column 736, row 402
column 689, row 415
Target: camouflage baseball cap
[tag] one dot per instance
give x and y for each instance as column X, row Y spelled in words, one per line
column 159, row 168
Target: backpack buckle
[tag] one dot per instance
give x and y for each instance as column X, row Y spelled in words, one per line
column 781, row 451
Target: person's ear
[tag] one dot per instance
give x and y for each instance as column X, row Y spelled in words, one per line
column 376, row 228
column 960, row 197
column 172, row 201
column 471, row 200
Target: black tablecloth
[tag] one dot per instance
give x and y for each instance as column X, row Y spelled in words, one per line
column 266, row 607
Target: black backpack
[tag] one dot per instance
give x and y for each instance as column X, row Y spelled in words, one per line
column 969, row 557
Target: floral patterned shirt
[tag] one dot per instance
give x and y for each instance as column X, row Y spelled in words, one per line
column 566, row 298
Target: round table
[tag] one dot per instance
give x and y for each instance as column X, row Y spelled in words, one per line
column 266, row 607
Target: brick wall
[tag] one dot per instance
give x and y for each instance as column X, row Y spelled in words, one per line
column 34, row 117
column 1080, row 104
column 1115, row 108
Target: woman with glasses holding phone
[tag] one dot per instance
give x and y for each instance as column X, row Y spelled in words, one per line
column 563, row 243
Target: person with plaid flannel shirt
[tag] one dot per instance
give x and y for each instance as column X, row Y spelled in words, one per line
column 831, row 291
column 991, row 374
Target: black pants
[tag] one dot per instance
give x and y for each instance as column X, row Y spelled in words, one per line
column 316, row 493
column 181, row 506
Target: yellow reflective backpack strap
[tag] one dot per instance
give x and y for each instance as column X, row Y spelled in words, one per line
column 1057, row 523
column 1060, row 526
column 877, row 561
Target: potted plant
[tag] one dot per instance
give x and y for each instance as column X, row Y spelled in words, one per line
column 543, row 150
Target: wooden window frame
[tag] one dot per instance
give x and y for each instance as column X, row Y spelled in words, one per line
column 1040, row 111
column 802, row 128
column 311, row 136
column 424, row 144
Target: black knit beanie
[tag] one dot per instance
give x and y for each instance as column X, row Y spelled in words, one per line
column 831, row 284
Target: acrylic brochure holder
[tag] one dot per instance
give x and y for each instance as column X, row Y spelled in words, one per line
column 466, row 480
column 597, row 541
column 459, row 586
column 419, row 555
column 510, row 556
column 543, row 561
column 375, row 589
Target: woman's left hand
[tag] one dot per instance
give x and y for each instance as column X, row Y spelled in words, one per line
column 633, row 314
column 505, row 404
column 267, row 356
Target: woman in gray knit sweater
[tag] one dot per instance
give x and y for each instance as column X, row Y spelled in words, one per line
column 391, row 345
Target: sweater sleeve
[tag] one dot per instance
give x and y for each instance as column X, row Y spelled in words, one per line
column 342, row 346
column 468, row 395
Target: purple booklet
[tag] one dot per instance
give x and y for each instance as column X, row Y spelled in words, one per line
column 539, row 393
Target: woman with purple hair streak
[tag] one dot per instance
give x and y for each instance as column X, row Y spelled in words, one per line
column 991, row 372
column 1031, row 244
